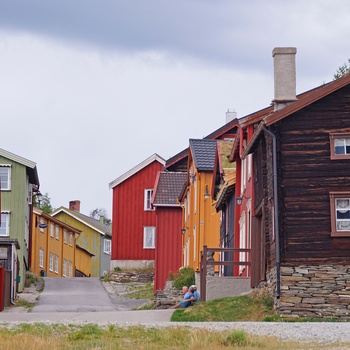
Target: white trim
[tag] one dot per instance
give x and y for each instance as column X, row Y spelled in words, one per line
column 151, row 230
column 136, row 169
column 18, row 159
column 64, row 210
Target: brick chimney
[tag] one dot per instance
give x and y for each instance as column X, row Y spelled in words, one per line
column 74, row 205
column 284, row 76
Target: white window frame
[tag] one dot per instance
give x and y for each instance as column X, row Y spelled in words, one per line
column 52, row 229
column 57, row 231
column 64, row 268
column 57, row 260
column 7, row 177
column 70, row 268
column 51, row 262
column 65, row 235
column 149, row 237
column 5, row 224
column 107, row 246
column 343, row 138
column 71, row 239
column 148, row 199
column 41, row 257
column 336, row 230
column 242, row 240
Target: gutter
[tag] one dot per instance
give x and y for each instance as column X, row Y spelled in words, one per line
column 276, row 223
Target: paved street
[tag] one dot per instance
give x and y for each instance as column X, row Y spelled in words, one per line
column 81, row 300
column 73, row 295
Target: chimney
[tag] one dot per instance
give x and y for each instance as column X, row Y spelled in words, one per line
column 74, row 205
column 230, row 115
column 285, row 77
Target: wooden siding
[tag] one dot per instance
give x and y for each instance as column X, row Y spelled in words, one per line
column 306, row 175
column 42, row 239
column 89, row 239
column 16, row 201
column 129, row 216
column 168, row 257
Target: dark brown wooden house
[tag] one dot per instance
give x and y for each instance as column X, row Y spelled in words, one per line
column 301, row 162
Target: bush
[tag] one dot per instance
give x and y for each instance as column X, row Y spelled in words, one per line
column 185, row 277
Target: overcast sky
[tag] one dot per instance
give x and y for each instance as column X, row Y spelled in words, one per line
column 89, row 89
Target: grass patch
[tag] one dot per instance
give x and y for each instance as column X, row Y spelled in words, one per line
column 140, row 291
column 39, row 336
column 250, row 307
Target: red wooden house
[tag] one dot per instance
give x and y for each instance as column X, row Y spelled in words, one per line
column 168, row 256
column 133, row 217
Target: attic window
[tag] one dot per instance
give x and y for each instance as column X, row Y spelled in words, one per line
column 340, row 145
column 340, row 213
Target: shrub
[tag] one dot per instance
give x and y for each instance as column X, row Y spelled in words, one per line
column 185, row 277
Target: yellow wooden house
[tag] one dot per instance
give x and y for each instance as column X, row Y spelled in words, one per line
column 53, row 250
column 95, row 238
column 201, row 222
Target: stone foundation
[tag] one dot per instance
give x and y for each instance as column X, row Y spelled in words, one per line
column 127, row 277
column 315, row 291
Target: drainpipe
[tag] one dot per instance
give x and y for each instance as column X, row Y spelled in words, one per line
column 276, row 223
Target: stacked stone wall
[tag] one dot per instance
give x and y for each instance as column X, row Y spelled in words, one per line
column 315, row 291
column 127, row 277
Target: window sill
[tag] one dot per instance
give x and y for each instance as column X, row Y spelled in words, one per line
column 340, row 234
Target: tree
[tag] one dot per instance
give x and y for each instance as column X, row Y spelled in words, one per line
column 101, row 212
column 44, row 204
column 342, row 70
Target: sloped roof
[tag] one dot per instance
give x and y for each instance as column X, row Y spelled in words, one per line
column 31, row 166
column 137, row 168
column 96, row 225
column 214, row 135
column 168, row 188
column 203, row 153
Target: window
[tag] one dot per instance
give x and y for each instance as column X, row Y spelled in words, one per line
column 147, row 200
column 57, row 232
column 71, row 239
column 194, row 243
column 41, row 257
column 5, row 177
column 149, row 237
column 340, row 213
column 70, row 268
column 242, row 241
column 51, row 262
column 52, row 229
column 340, row 145
column 56, row 263
column 5, row 224
column 65, row 235
column 107, row 246
column 64, row 272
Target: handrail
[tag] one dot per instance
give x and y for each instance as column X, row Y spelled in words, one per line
column 204, row 263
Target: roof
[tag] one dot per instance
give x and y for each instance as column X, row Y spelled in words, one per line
column 53, row 219
column 168, row 188
column 31, row 166
column 203, row 153
column 214, row 135
column 87, row 220
column 136, row 169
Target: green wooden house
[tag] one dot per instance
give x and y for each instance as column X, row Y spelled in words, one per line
column 18, row 178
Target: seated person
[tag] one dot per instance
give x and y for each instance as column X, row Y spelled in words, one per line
column 187, row 300
column 195, row 293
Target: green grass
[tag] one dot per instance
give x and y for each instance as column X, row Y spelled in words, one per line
column 243, row 308
column 136, row 291
column 39, row 336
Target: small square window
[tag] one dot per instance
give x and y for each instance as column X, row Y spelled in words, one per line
column 340, row 145
column 340, row 213
column 107, row 246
